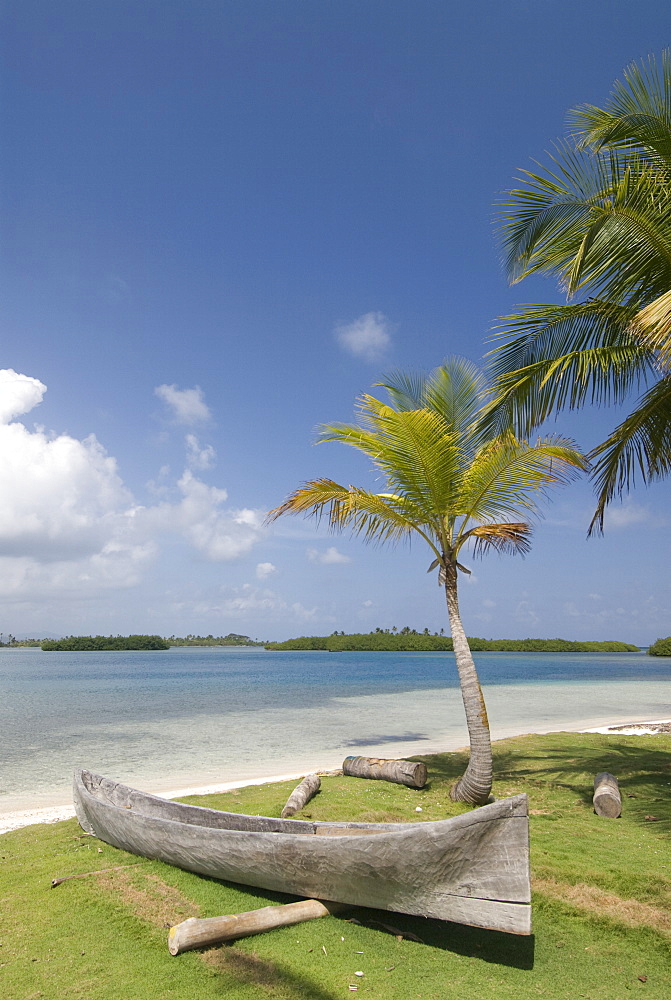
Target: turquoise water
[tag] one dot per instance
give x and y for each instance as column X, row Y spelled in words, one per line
column 196, row 716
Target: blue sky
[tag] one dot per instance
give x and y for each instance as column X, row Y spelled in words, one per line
column 222, row 221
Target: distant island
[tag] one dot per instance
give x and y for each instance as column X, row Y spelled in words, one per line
column 98, row 643
column 410, row 641
column 232, row 639
column 661, row 648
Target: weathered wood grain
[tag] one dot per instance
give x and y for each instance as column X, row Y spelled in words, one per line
column 401, row 772
column 607, row 800
column 472, row 868
column 201, row 933
column 301, row 794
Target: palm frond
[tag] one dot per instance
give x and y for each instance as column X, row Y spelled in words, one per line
column 509, row 476
column 652, row 326
column 639, row 448
column 376, row 517
column 598, row 218
column 562, row 356
column 637, row 115
column 406, row 389
column 584, row 218
column 513, row 538
column 455, row 391
column 414, row 449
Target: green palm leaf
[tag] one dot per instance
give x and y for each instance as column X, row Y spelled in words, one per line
column 637, row 116
column 377, row 517
column 598, row 218
column 508, row 476
column 563, row 356
column 640, row 447
column 577, row 219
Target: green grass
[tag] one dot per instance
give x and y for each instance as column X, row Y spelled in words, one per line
column 602, row 899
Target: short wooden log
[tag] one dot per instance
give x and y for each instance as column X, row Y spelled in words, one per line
column 402, row 772
column 606, row 799
column 301, row 794
column 197, row 933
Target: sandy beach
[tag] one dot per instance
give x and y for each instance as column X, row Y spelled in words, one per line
column 54, row 814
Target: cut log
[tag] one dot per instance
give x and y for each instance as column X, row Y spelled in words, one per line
column 402, row 772
column 606, row 799
column 301, row 794
column 195, row 933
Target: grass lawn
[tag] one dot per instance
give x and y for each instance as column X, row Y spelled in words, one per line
column 602, row 898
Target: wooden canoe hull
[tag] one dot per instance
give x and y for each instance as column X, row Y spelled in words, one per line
column 472, row 869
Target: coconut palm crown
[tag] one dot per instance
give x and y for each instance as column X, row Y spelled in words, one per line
column 598, row 219
column 450, row 481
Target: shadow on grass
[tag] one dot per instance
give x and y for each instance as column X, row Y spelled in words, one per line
column 562, row 760
column 513, row 950
column 252, row 970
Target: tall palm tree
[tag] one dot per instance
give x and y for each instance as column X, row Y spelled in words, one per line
column 451, row 482
column 599, row 220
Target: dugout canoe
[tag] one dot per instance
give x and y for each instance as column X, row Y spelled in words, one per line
column 472, row 869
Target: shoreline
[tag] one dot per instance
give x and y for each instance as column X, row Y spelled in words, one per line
column 18, row 819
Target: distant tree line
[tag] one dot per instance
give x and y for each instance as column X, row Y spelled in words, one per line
column 661, row 648
column 97, row 643
column 409, row 640
column 232, row 639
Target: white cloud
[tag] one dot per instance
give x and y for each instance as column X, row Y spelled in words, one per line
column 218, row 533
column 488, row 603
column 188, row 405
column 367, row 337
column 118, row 565
column 264, row 570
column 197, row 457
column 328, row 558
column 68, row 524
column 629, row 513
column 60, row 498
column 65, row 517
column 18, row 394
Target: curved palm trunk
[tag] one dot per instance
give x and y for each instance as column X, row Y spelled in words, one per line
column 475, row 784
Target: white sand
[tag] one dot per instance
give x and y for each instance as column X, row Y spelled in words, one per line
column 54, row 814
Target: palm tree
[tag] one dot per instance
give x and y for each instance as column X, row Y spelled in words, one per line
column 599, row 220
column 451, row 482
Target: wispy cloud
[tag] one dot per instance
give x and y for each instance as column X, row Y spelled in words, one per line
column 328, row 558
column 264, row 570
column 219, row 533
column 197, row 457
column 188, row 406
column 367, row 337
column 526, row 613
column 248, row 601
column 628, row 514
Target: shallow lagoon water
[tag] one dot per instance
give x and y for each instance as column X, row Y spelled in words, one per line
column 195, row 716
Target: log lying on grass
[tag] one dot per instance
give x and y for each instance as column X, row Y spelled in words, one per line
column 195, row 933
column 402, row 772
column 606, row 799
column 301, row 794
